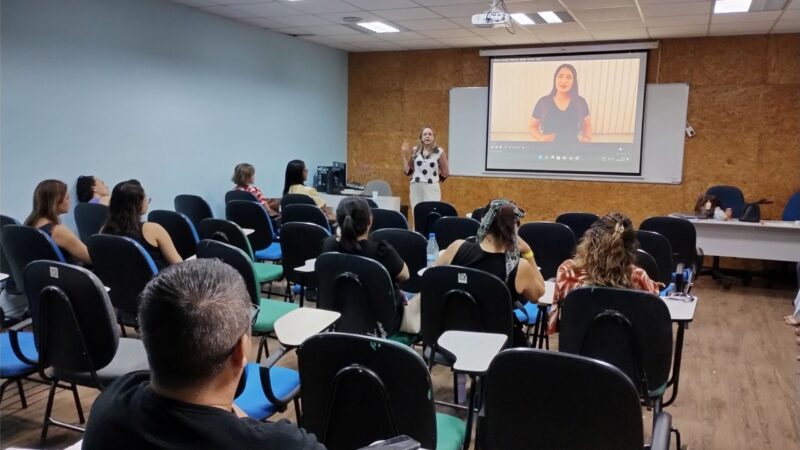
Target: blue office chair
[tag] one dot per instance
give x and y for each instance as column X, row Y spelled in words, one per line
column 18, row 358
column 239, row 195
column 89, row 218
column 729, row 197
column 253, row 215
column 266, row 390
column 301, row 241
column 23, row 245
column 11, row 285
column 427, row 213
column 193, row 207
column 792, row 209
column 296, row 199
column 305, row 213
column 451, row 229
column 179, row 228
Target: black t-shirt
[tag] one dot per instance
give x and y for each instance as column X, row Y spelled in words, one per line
column 470, row 254
column 130, row 415
column 566, row 124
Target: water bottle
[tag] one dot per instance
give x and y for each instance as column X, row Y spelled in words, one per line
column 433, row 249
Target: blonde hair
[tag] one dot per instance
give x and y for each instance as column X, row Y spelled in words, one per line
column 46, row 198
column 607, row 251
column 434, row 147
column 242, row 174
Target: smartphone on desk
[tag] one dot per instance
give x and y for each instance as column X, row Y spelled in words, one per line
column 401, row 442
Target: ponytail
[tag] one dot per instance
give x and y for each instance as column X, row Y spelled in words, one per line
column 353, row 215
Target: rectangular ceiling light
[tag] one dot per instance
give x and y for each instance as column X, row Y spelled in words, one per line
column 731, row 6
column 550, row 17
column 378, row 27
column 522, row 19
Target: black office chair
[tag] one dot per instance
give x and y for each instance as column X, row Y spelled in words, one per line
column 23, row 245
column 681, row 236
column 252, row 215
column 296, row 199
column 193, row 207
column 269, row 310
column 552, row 242
column 362, row 291
column 580, row 403
column 305, row 213
column 301, row 241
column 627, row 328
column 659, row 248
column 360, row 389
column 75, row 331
column 646, row 262
column 371, row 202
column 125, row 267
column 89, row 218
column 412, row 248
column 478, row 213
column 451, row 229
column 729, row 197
column 11, row 285
column 179, row 228
column 387, row 218
column 578, row 222
column 239, row 195
column 427, row 213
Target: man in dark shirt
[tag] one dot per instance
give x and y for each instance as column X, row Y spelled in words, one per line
column 195, row 322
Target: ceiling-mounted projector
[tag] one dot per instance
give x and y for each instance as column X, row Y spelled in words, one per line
column 492, row 18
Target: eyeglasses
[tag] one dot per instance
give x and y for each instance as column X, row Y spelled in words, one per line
column 254, row 310
column 149, row 200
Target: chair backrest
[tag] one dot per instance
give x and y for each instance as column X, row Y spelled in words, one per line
column 304, row 213
column 236, row 194
column 412, row 248
column 125, row 267
column 300, row 241
column 5, row 268
column 383, row 187
column 578, row 222
column 234, row 257
column 659, row 248
column 361, row 290
column 251, row 215
column 729, row 197
column 629, row 329
column 585, row 395
column 648, row 264
column 371, row 202
column 360, row 389
column 427, row 213
column 462, row 298
column 73, row 322
column 388, row 218
column 193, row 207
column 179, row 228
column 478, row 213
column 792, row 209
column 22, row 245
column 451, row 229
column 681, row 236
column 553, row 243
column 296, row 199
column 89, row 218
column 225, row 231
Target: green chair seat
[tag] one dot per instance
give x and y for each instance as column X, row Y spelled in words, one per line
column 450, row 432
column 271, row 311
column 658, row 392
column 266, row 272
column 403, row 338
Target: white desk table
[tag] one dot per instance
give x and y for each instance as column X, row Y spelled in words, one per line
column 305, row 270
column 300, row 324
column 392, row 203
column 770, row 240
column 682, row 313
column 3, row 276
column 248, row 231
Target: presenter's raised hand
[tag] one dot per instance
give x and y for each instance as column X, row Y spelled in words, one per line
column 405, row 148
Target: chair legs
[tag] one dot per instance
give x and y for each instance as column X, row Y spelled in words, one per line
column 48, row 412
column 18, row 381
column 262, row 346
column 78, row 406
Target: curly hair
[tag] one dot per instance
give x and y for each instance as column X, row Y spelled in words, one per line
column 607, row 251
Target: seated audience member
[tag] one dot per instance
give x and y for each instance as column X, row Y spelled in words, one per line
column 50, row 200
column 244, row 175
column 605, row 257
column 195, row 323
column 500, row 252
column 92, row 190
column 128, row 205
column 294, row 183
column 355, row 220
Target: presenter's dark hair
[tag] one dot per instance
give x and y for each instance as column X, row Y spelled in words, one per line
column 353, row 215
column 46, row 198
column 191, row 315
column 84, row 188
column 242, row 174
column 573, row 91
column 125, row 209
column 294, row 174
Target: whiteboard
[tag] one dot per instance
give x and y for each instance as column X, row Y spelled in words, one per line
column 662, row 137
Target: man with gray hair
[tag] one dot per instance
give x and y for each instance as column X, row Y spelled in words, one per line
column 195, row 320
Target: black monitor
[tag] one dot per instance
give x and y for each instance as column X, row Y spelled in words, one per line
column 337, row 177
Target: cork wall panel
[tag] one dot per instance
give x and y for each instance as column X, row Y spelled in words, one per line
column 744, row 103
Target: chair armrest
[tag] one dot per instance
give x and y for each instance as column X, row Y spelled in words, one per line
column 266, row 381
column 661, row 431
column 14, row 340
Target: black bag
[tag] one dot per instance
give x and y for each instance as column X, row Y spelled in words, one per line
column 752, row 211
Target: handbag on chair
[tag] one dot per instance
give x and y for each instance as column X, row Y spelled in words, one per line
column 752, row 211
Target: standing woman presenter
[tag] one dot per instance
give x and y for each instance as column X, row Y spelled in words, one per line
column 426, row 165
